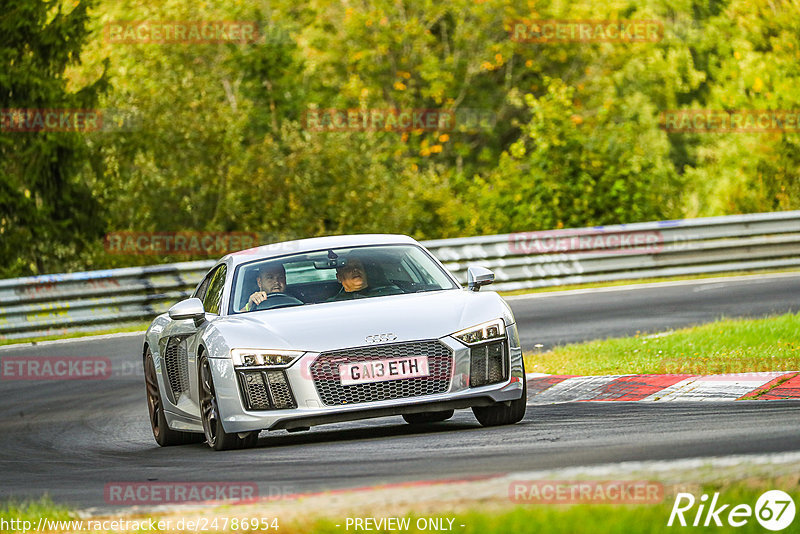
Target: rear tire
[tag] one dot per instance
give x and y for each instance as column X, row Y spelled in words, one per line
column 502, row 413
column 215, row 435
column 428, row 417
column 163, row 434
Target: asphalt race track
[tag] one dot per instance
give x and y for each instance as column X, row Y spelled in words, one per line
column 69, row 439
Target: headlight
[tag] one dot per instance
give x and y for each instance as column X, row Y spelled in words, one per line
column 263, row 358
column 481, row 333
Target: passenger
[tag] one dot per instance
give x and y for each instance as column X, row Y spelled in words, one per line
column 355, row 283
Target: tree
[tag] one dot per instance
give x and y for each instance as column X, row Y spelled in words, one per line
column 219, row 141
column 571, row 168
column 47, row 216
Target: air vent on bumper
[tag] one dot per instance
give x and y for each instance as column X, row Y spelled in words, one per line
column 266, row 390
column 488, row 364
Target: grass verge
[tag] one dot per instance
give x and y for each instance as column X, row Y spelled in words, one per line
column 586, row 518
column 500, row 516
column 138, row 327
column 726, row 346
column 31, row 511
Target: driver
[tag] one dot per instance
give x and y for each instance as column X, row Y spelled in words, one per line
column 271, row 282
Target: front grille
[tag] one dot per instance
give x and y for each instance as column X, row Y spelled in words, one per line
column 325, row 372
column 488, row 364
column 176, row 363
column 266, row 390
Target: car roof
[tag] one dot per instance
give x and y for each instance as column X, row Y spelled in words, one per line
column 300, row 246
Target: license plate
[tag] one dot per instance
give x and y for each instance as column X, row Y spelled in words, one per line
column 383, row 370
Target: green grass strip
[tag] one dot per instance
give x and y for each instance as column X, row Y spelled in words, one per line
column 726, row 346
column 584, row 518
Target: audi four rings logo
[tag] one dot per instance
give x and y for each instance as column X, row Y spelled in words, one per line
column 378, row 338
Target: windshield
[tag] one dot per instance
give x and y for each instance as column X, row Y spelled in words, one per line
column 335, row 275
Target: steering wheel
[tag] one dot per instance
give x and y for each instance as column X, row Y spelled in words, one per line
column 282, row 300
column 388, row 289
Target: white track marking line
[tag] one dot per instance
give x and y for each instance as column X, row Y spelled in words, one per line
column 727, row 387
column 574, row 389
column 653, row 285
column 713, row 387
column 71, row 340
column 662, row 466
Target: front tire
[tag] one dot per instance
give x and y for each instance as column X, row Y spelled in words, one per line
column 215, row 435
column 502, row 413
column 163, row 434
column 428, row 417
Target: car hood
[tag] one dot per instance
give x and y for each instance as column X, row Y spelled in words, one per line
column 336, row 325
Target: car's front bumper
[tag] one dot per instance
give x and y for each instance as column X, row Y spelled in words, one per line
column 311, row 410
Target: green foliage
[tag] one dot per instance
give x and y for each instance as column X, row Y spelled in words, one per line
column 218, row 141
column 567, row 170
column 536, row 517
column 47, row 215
column 755, row 68
column 33, row 511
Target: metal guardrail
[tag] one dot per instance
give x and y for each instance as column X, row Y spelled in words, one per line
column 63, row 303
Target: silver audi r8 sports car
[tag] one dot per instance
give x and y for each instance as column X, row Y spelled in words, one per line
column 325, row 330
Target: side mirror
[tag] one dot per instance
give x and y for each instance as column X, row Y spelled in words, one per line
column 188, row 309
column 477, row 277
